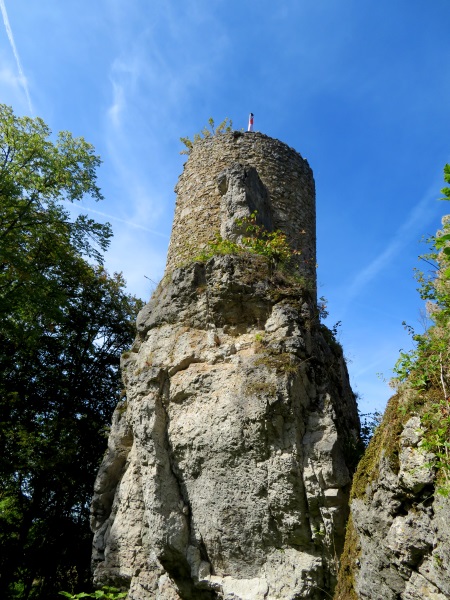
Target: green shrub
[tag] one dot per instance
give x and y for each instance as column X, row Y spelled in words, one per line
column 272, row 245
column 426, row 368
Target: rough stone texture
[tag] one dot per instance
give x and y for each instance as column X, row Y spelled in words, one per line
column 227, row 473
column 243, row 193
column 284, row 176
column 229, row 464
column 401, row 523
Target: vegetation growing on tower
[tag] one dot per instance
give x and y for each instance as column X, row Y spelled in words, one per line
column 272, row 245
column 208, row 131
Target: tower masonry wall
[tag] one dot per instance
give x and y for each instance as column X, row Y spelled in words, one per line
column 285, row 174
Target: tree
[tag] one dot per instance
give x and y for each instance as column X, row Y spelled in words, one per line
column 63, row 325
column 37, row 237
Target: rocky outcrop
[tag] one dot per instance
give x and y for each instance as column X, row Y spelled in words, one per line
column 242, row 194
column 397, row 545
column 229, row 462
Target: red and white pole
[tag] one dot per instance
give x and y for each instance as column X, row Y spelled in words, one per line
column 250, row 122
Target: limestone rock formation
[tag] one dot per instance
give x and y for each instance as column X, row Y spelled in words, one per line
column 243, row 194
column 398, row 545
column 227, row 470
column 229, row 462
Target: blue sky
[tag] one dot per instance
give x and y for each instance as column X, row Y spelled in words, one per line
column 360, row 89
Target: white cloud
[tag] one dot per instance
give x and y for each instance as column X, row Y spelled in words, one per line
column 9, row 33
column 123, row 76
column 115, row 110
column 127, row 134
column 9, row 78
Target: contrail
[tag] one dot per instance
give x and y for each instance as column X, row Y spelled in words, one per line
column 23, row 79
column 417, row 215
column 129, row 223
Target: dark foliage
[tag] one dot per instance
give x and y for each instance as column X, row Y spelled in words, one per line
column 63, row 325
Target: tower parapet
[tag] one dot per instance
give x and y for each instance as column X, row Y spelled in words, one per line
column 284, row 190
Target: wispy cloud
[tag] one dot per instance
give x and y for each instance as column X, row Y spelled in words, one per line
column 125, row 140
column 123, row 76
column 116, row 108
column 9, row 33
column 124, row 221
column 417, row 216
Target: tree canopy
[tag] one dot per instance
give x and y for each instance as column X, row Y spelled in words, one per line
column 64, row 322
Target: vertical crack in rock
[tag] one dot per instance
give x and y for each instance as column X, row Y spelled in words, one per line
column 179, row 565
column 103, row 509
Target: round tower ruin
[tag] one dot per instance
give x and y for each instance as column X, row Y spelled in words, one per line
column 265, row 174
column 227, row 473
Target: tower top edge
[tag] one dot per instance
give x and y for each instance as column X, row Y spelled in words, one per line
column 247, row 138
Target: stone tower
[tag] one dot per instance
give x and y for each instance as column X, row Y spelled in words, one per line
column 230, row 174
column 229, row 460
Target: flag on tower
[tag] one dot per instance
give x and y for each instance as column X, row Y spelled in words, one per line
column 250, row 122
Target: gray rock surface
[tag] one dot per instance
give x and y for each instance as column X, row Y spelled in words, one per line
column 402, row 526
column 229, row 463
column 242, row 193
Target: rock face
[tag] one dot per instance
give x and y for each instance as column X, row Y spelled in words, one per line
column 243, row 194
column 229, row 462
column 227, row 470
column 398, row 546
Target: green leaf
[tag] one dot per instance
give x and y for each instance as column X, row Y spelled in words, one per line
column 447, row 173
column 441, row 240
column 446, row 192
